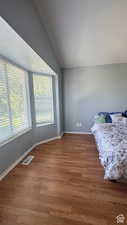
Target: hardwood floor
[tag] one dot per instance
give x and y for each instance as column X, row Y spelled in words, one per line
column 63, row 185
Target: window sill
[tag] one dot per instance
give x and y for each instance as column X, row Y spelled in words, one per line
column 12, row 138
column 45, row 124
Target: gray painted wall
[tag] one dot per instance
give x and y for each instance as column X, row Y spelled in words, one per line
column 21, row 15
column 90, row 90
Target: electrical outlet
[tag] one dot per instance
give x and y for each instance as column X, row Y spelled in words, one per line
column 79, row 124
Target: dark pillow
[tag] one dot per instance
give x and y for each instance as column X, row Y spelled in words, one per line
column 124, row 114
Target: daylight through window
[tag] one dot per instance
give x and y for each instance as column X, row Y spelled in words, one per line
column 43, row 94
column 14, row 101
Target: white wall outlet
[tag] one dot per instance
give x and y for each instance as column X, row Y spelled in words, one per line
column 79, row 124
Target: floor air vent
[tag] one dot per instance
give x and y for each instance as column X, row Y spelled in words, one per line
column 27, row 160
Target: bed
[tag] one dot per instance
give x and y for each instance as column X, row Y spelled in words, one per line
column 111, row 139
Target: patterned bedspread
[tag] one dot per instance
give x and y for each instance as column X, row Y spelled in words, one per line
column 111, row 141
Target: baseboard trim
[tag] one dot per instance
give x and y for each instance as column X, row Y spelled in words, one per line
column 76, row 132
column 8, row 170
column 62, row 134
column 47, row 140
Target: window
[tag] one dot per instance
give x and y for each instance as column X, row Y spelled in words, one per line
column 14, row 103
column 43, row 94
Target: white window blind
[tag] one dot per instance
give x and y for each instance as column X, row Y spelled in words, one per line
column 43, row 95
column 5, row 128
column 14, row 102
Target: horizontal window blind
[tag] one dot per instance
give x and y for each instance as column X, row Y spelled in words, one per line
column 14, row 102
column 5, row 128
column 43, row 95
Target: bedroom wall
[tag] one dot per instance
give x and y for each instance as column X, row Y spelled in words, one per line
column 22, row 16
column 90, row 90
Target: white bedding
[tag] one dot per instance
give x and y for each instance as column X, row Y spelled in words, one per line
column 111, row 139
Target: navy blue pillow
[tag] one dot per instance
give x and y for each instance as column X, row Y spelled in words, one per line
column 107, row 116
column 124, row 114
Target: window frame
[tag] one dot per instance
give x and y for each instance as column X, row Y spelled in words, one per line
column 13, row 134
column 46, row 123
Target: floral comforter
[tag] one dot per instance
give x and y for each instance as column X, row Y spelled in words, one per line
column 111, row 141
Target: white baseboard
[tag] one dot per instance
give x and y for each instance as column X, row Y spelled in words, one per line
column 5, row 172
column 61, row 135
column 47, row 140
column 76, row 132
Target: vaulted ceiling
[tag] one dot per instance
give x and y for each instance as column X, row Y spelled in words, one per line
column 86, row 32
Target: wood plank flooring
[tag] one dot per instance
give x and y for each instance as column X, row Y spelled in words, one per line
column 63, row 185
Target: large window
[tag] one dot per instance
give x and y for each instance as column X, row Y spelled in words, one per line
column 43, row 95
column 14, row 101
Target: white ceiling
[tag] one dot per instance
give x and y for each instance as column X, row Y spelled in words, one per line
column 86, row 32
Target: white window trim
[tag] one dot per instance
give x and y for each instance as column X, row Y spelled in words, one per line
column 28, row 100
column 45, row 124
